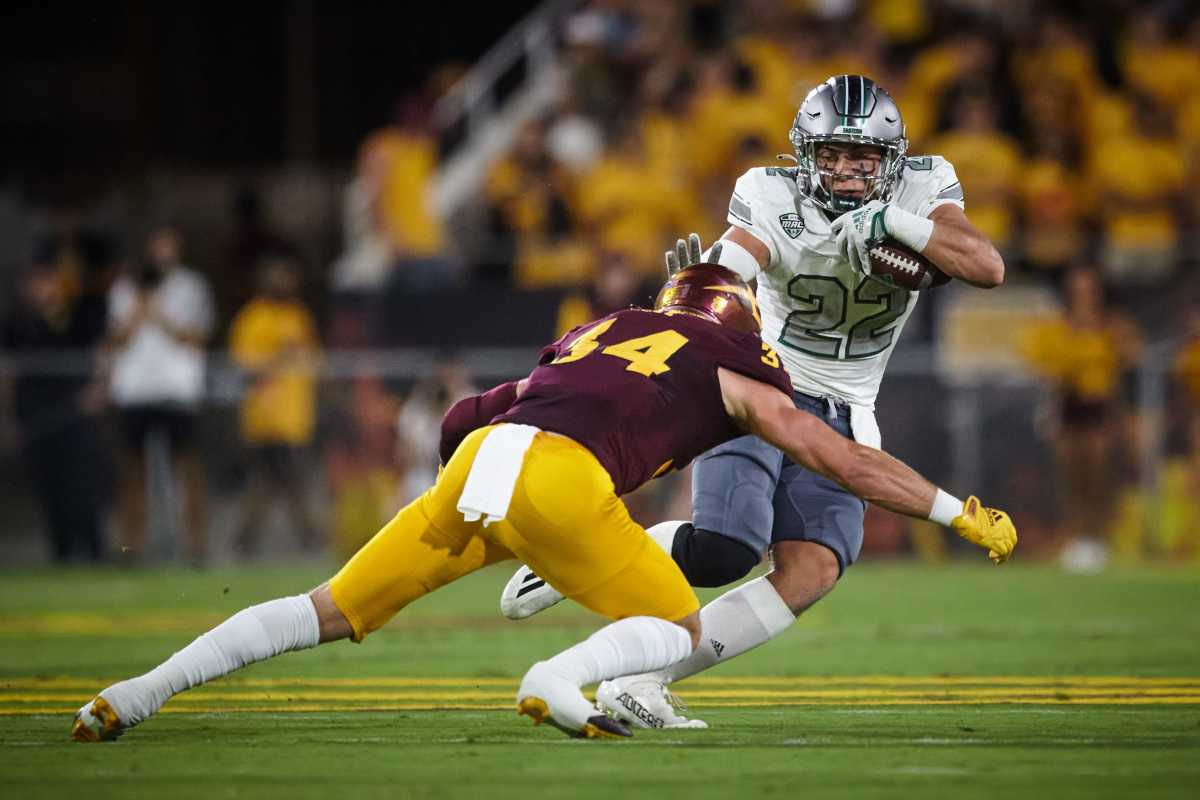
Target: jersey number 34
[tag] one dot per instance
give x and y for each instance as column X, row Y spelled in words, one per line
column 647, row 355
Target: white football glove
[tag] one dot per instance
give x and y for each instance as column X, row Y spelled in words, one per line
column 688, row 253
column 858, row 231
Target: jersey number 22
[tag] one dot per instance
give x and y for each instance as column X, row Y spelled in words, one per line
column 814, row 330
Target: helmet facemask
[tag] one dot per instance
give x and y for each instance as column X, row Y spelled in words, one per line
column 818, row 178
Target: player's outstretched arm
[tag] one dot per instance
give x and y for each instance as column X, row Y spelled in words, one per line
column 868, row 473
column 871, row 474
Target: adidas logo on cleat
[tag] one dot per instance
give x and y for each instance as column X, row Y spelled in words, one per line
column 531, row 583
column 717, row 647
column 638, row 710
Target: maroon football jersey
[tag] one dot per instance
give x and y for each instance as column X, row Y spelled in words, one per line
column 639, row 389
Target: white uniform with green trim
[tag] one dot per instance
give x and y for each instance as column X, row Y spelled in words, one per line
column 834, row 328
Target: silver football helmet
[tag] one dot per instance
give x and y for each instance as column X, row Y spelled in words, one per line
column 848, row 109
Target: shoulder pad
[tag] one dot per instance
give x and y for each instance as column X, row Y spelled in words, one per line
column 782, row 172
column 932, row 178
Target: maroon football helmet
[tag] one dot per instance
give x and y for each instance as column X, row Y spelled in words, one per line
column 712, row 292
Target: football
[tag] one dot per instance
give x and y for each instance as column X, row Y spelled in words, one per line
column 898, row 265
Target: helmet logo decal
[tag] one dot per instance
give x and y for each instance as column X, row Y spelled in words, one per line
column 792, row 224
column 713, row 293
column 743, row 292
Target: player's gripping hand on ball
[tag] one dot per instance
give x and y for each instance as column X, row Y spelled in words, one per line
column 989, row 528
column 858, row 231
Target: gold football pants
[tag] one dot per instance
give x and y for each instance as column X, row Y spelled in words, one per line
column 565, row 521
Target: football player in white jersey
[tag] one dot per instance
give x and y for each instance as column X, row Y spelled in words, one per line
column 803, row 233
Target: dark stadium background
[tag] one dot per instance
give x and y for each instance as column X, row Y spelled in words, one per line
column 211, row 84
column 394, row 204
column 246, row 127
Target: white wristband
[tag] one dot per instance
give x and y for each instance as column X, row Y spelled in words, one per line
column 908, row 228
column 945, row 508
column 737, row 258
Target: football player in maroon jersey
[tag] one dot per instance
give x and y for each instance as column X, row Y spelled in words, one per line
column 536, row 473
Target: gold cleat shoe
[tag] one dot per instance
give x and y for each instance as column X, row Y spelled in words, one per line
column 596, row 727
column 97, row 721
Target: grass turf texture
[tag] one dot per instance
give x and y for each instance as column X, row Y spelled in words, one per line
column 882, row 690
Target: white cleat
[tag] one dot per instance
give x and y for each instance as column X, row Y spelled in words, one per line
column 526, row 594
column 644, row 702
column 546, row 696
column 97, row 721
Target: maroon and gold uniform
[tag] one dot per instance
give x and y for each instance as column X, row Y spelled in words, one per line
column 638, row 428
column 618, row 402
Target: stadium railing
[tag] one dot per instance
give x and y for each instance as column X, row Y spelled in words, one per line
column 988, row 432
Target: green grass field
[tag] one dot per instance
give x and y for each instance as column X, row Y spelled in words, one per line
column 908, row 681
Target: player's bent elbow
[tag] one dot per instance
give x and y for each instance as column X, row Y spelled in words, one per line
column 990, row 266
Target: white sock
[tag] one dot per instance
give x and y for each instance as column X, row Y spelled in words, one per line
column 737, row 621
column 663, row 533
column 253, row 634
column 627, row 646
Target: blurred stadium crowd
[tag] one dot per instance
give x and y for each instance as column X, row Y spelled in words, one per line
column 141, row 383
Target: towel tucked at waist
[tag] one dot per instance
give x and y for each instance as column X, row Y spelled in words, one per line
column 489, row 486
column 863, row 426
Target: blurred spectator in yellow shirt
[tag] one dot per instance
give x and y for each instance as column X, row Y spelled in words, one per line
column 1157, row 63
column 531, row 218
column 1137, row 181
column 629, row 208
column 1051, row 203
column 987, row 160
column 527, row 190
column 902, row 22
column 393, row 232
column 1083, row 353
column 665, row 125
column 405, row 206
column 787, row 51
column 273, row 340
column 1059, row 55
column 729, row 108
column 967, row 57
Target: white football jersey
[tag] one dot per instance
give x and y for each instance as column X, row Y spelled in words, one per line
column 834, row 328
